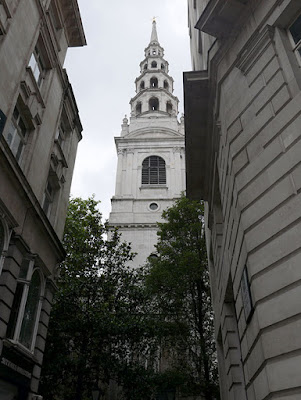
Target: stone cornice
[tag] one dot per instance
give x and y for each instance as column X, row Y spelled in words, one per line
column 135, row 134
column 153, row 90
column 197, row 140
column 72, row 23
column 153, row 142
column 154, row 71
column 220, row 17
column 135, row 226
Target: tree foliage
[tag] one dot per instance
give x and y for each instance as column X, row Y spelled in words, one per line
column 111, row 323
column 178, row 280
column 98, row 323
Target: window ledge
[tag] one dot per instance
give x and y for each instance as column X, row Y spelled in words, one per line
column 220, row 16
column 153, row 187
column 13, row 344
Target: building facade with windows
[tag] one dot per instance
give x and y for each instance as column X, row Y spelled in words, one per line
column 243, row 138
column 39, row 133
column 151, row 158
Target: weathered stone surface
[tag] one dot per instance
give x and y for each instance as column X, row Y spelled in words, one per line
column 254, row 180
column 36, row 98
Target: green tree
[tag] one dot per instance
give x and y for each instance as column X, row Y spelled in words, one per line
column 178, row 280
column 98, row 329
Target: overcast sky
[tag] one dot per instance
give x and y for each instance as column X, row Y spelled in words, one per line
column 103, row 73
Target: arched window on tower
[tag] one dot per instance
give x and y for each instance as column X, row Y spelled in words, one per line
column 166, row 85
column 153, row 171
column 138, row 108
column 145, row 66
column 142, row 85
column 163, row 67
column 169, row 107
column 154, row 83
column 154, row 52
column 154, row 64
column 153, row 104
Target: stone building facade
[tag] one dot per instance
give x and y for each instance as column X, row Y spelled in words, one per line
column 39, row 133
column 151, row 158
column 243, row 131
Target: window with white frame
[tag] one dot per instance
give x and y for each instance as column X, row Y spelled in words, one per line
column 16, row 134
column 60, row 135
column 153, row 171
column 295, row 35
column 37, row 65
column 27, row 304
column 48, row 197
column 63, row 134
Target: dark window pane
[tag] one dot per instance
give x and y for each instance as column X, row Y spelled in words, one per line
column 22, row 127
column 17, row 146
column 30, row 312
column 153, row 171
column 16, row 113
column 15, row 310
column 24, row 269
column 2, row 237
column 153, row 206
column 19, row 151
column 295, row 30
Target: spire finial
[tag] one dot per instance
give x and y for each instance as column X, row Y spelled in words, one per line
column 154, row 36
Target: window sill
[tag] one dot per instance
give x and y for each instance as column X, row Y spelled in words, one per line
column 142, row 187
column 25, row 352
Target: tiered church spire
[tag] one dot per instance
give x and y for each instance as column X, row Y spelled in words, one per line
column 154, row 85
column 151, row 156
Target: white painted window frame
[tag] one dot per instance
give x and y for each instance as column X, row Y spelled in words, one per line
column 15, row 131
column 36, row 65
column 7, row 235
column 26, row 282
column 295, row 46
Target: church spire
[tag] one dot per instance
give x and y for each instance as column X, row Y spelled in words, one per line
column 154, row 35
column 154, row 86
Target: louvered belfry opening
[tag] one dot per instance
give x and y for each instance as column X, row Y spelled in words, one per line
column 153, row 171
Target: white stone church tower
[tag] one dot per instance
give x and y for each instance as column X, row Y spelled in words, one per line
column 151, row 158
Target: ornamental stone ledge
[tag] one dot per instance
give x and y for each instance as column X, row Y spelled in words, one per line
column 220, row 16
column 197, row 139
column 73, row 23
